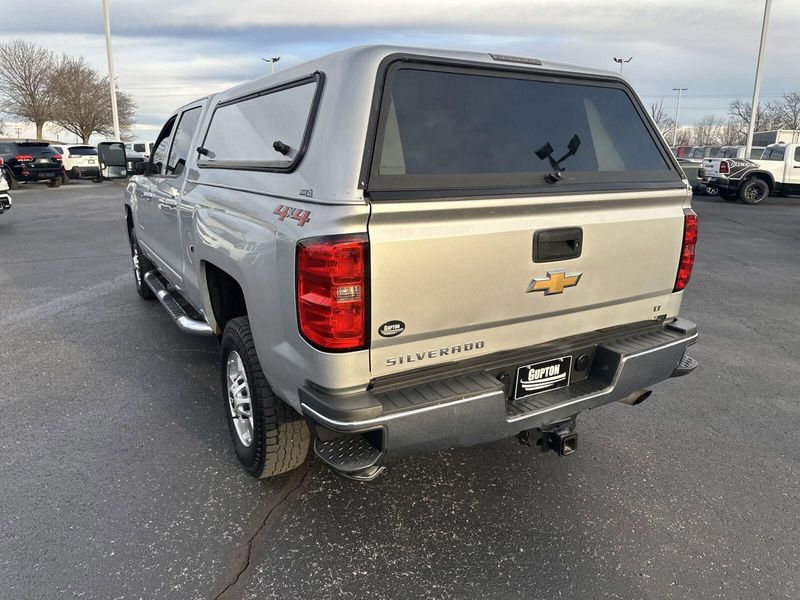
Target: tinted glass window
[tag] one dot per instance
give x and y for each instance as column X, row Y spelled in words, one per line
column 6, row 148
column 247, row 130
column 181, row 141
column 442, row 129
column 34, row 149
column 138, row 147
column 159, row 156
column 756, row 152
column 773, row 153
column 83, row 151
column 797, row 155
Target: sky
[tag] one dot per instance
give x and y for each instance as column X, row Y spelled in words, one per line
column 167, row 52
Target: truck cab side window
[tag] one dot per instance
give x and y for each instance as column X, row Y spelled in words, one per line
column 182, row 140
column 159, row 155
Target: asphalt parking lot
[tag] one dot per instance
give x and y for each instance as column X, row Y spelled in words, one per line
column 117, row 477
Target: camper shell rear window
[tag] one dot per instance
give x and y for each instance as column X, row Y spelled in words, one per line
column 268, row 130
column 468, row 130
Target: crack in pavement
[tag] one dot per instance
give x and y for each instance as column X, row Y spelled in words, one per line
column 245, row 554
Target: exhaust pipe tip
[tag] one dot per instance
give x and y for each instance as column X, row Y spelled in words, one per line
column 636, row 397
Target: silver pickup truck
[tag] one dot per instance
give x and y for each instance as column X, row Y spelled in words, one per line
column 402, row 250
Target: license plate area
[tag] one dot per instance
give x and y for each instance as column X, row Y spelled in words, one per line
column 542, row 376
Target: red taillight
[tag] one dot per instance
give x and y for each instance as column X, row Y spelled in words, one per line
column 687, row 249
column 332, row 292
column 723, row 167
column 24, row 158
column 57, row 156
column 1, row 161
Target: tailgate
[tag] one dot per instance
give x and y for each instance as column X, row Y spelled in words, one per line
column 711, row 167
column 455, row 274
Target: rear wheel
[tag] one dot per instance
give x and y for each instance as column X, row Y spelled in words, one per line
column 710, row 191
column 54, row 183
column 141, row 265
column 728, row 196
column 269, row 437
column 754, row 191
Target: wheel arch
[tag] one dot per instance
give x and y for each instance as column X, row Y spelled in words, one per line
column 223, row 294
column 765, row 176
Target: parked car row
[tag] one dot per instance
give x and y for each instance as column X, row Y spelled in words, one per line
column 55, row 164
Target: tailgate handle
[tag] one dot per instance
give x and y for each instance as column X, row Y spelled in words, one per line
column 557, row 244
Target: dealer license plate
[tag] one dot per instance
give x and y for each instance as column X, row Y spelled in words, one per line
column 543, row 376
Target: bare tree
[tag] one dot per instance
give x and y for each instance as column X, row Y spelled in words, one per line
column 25, row 91
column 685, row 137
column 665, row 123
column 730, row 134
column 707, row 131
column 84, row 100
column 767, row 117
column 788, row 111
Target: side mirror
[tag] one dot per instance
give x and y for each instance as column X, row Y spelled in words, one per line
column 112, row 159
column 140, row 167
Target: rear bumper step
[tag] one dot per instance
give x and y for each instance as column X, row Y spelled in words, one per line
column 175, row 310
column 475, row 408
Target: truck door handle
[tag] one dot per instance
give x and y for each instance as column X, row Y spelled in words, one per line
column 557, row 244
column 147, row 195
column 167, row 202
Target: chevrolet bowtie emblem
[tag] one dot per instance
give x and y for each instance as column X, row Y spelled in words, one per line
column 554, row 282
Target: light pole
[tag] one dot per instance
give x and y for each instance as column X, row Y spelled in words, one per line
column 111, row 79
column 621, row 62
column 272, row 61
column 757, row 85
column 677, row 112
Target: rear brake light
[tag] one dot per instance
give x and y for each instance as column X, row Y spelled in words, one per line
column 1, row 161
column 57, row 156
column 23, row 158
column 723, row 167
column 332, row 280
column 687, row 249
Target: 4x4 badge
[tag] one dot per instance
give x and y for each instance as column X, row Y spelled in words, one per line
column 554, row 282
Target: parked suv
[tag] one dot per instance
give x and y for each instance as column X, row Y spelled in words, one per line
column 401, row 250
column 31, row 161
column 80, row 162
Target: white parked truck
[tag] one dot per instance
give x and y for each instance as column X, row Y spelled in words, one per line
column 777, row 172
column 402, row 250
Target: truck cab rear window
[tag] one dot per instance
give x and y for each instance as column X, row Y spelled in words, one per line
column 463, row 128
column 267, row 130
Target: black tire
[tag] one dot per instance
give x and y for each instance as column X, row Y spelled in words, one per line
column 710, row 191
column 280, row 438
column 12, row 182
column 97, row 179
column 64, row 178
column 754, row 191
column 54, row 183
column 728, row 196
column 140, row 268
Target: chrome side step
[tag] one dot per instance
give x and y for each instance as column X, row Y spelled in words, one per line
column 175, row 310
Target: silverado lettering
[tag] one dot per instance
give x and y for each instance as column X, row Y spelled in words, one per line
column 408, row 358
